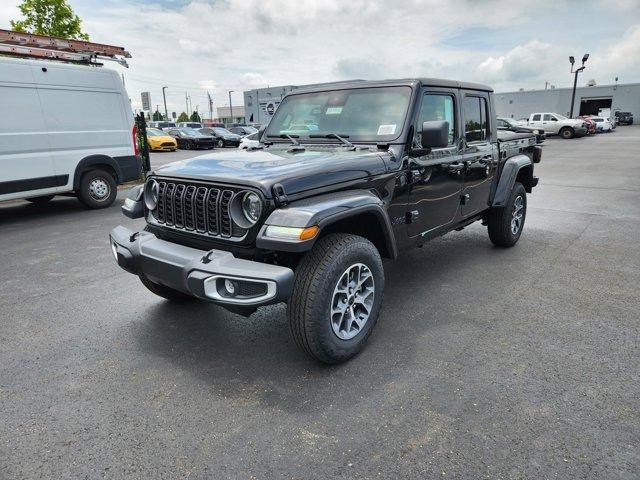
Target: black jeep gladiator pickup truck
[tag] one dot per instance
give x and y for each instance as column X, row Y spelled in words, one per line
column 345, row 175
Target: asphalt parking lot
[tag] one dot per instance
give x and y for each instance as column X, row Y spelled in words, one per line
column 486, row 363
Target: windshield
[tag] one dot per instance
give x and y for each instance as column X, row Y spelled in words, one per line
column 155, row 133
column 222, row 131
column 192, row 132
column 365, row 114
column 510, row 121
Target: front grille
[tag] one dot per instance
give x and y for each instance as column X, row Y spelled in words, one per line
column 196, row 208
column 167, row 144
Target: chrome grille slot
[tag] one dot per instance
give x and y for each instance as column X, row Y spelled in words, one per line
column 196, row 208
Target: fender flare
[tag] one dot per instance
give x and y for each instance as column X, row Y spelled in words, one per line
column 323, row 211
column 91, row 160
column 508, row 177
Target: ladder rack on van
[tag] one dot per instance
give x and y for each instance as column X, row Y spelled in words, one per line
column 55, row 48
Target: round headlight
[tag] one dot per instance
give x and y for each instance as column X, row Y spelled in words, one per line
column 151, row 190
column 251, row 207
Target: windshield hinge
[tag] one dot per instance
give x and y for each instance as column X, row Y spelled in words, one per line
column 279, row 196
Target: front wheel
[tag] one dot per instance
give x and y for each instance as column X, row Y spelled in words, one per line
column 220, row 143
column 98, row 189
column 506, row 223
column 567, row 133
column 336, row 297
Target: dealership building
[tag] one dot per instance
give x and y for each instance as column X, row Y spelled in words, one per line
column 588, row 100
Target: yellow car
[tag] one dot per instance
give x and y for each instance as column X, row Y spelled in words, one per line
column 160, row 141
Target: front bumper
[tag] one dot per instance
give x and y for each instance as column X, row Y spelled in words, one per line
column 200, row 273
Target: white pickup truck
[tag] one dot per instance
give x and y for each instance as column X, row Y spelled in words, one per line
column 556, row 124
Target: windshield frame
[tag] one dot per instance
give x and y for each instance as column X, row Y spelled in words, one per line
column 400, row 137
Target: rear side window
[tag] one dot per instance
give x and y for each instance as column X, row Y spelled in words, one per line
column 475, row 119
column 436, row 106
column 536, row 118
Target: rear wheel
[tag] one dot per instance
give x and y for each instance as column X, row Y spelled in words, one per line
column 220, row 143
column 164, row 291
column 98, row 189
column 40, row 201
column 506, row 223
column 336, row 297
column 567, row 132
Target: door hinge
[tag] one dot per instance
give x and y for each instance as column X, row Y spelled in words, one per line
column 464, row 199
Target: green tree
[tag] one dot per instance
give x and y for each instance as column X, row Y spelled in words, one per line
column 49, row 17
column 195, row 117
column 157, row 116
column 183, row 117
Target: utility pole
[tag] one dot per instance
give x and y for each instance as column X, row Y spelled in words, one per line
column 164, row 96
column 258, row 106
column 575, row 79
column 230, row 106
column 186, row 101
column 210, row 106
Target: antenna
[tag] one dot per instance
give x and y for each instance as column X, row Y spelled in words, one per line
column 55, row 48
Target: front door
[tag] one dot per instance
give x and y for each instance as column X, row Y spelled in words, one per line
column 436, row 177
column 480, row 155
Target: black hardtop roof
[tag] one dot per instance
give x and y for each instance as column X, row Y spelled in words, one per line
column 429, row 82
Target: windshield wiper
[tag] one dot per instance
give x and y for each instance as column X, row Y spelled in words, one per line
column 341, row 137
column 291, row 138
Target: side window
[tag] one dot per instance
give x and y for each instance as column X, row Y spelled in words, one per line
column 436, row 106
column 547, row 117
column 536, row 118
column 475, row 119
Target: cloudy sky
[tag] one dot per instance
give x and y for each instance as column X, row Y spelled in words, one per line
column 197, row 46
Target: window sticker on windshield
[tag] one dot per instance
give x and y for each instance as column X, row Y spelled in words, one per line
column 333, row 111
column 386, row 129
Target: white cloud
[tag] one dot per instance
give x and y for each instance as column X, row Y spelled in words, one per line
column 217, row 46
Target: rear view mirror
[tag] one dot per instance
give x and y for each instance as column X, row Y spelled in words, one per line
column 435, row 134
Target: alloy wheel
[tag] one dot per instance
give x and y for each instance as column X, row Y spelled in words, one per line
column 352, row 301
column 517, row 215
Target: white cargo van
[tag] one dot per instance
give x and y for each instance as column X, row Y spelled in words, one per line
column 64, row 129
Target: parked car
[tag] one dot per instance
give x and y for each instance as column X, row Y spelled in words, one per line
column 591, row 125
column 190, row 139
column 556, row 124
column 250, row 141
column 243, row 130
column 66, row 129
column 505, row 123
column 160, row 140
column 602, row 125
column 161, row 125
column 222, row 137
column 308, row 221
column 195, row 125
column 624, row 118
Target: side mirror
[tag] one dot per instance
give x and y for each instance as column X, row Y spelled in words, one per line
column 435, row 134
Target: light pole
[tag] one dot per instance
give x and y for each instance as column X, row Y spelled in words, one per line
column 575, row 79
column 230, row 106
column 164, row 97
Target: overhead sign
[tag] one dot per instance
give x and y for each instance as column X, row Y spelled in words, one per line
column 146, row 101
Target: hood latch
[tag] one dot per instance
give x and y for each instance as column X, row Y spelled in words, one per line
column 278, row 195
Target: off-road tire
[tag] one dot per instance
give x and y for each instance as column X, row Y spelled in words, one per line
column 40, row 201
column 567, row 133
column 164, row 291
column 85, row 196
column 309, row 308
column 499, row 220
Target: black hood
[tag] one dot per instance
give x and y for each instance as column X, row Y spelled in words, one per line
column 296, row 171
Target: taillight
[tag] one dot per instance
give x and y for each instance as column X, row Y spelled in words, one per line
column 134, row 136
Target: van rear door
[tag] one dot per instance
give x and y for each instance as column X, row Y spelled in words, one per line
column 25, row 161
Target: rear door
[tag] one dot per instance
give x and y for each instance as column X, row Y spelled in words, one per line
column 480, row 153
column 26, row 166
column 536, row 120
column 436, row 177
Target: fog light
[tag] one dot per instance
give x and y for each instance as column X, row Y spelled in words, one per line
column 230, row 287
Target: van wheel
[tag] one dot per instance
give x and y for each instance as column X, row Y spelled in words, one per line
column 336, row 297
column 40, row 201
column 567, row 133
column 98, row 189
